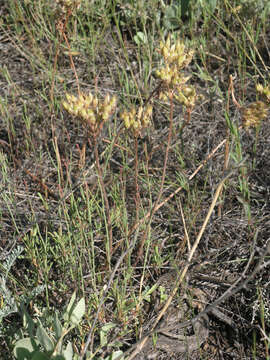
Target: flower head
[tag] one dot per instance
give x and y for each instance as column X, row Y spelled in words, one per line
column 136, row 121
column 176, row 58
column 264, row 91
column 253, row 114
column 65, row 6
column 92, row 111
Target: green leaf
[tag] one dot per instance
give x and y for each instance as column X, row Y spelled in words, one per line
column 57, row 327
column 24, row 348
column 184, row 6
column 163, row 295
column 114, row 355
column 78, row 312
column 172, row 17
column 28, row 322
column 140, row 38
column 40, row 356
column 44, row 338
column 210, row 5
column 146, row 295
column 104, row 332
column 70, row 306
column 68, row 352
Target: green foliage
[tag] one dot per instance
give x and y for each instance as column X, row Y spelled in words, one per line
column 172, row 16
column 209, row 5
column 140, row 38
column 7, row 297
column 8, row 300
column 42, row 344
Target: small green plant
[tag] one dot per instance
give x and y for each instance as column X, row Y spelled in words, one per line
column 8, row 303
column 44, row 344
column 8, row 300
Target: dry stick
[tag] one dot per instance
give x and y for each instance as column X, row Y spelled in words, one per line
column 231, row 87
column 72, row 63
column 90, row 337
column 184, row 224
column 58, row 157
column 182, row 274
column 230, row 292
column 243, row 281
column 266, row 339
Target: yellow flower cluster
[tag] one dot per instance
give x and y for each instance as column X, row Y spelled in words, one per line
column 90, row 109
column 253, row 114
column 137, row 121
column 186, row 95
column 176, row 58
column 175, row 54
column 264, row 91
column 171, row 76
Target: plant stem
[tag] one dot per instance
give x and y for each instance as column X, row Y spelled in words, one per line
column 155, row 207
column 137, row 198
column 107, row 207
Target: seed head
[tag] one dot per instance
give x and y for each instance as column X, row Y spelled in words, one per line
column 254, row 114
column 176, row 58
column 264, row 91
column 65, row 6
column 186, row 95
column 136, row 121
column 92, row 111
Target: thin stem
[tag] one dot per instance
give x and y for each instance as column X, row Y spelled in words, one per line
column 107, row 207
column 137, row 199
column 166, row 154
column 72, row 63
column 227, row 146
column 186, row 122
column 61, row 26
column 255, row 147
column 158, row 206
column 155, row 207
